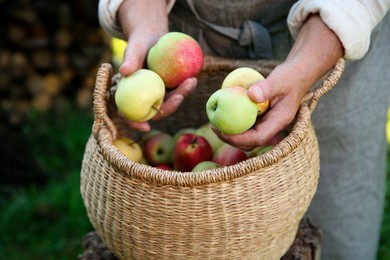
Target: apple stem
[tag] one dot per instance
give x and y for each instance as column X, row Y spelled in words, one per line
column 194, row 141
column 157, row 109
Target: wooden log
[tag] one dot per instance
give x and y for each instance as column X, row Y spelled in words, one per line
column 306, row 246
column 48, row 52
column 307, row 243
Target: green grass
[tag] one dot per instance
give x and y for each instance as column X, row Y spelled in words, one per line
column 49, row 221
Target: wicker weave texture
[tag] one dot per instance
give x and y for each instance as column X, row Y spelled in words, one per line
column 250, row 210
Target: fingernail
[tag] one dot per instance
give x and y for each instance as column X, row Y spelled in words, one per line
column 177, row 100
column 144, row 128
column 188, row 87
column 257, row 94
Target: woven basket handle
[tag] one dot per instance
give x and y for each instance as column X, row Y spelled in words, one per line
column 327, row 84
column 103, row 82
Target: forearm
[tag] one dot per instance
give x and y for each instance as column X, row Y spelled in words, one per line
column 316, row 49
column 351, row 20
column 108, row 15
column 143, row 17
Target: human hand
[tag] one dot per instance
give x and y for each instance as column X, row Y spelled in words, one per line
column 143, row 23
column 171, row 103
column 285, row 89
column 315, row 51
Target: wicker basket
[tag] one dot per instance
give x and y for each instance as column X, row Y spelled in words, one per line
column 250, row 210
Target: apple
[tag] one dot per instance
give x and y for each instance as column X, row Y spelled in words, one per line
column 129, row 148
column 205, row 165
column 231, row 111
column 164, row 166
column 245, row 77
column 206, row 131
column 139, row 95
column 228, row 155
column 183, row 131
column 190, row 149
column 259, row 150
column 143, row 161
column 147, row 135
column 159, row 148
column 175, row 57
column 264, row 149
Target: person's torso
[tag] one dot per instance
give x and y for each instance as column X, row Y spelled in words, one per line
column 255, row 29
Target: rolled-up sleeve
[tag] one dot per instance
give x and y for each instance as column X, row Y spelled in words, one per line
column 107, row 14
column 351, row 20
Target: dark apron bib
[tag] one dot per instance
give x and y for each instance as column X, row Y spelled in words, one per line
column 236, row 29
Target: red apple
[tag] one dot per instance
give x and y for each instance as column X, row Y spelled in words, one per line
column 190, row 149
column 164, row 166
column 158, row 149
column 228, row 155
column 175, row 57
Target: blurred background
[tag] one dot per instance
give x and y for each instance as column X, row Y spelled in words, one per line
column 49, row 55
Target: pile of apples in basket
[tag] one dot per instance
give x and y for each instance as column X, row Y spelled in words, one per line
column 175, row 57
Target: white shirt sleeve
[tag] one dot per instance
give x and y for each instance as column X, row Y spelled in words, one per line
column 351, row 20
column 107, row 14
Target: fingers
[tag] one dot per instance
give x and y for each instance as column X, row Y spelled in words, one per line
column 285, row 98
column 174, row 98
column 170, row 105
column 267, row 126
column 134, row 55
column 262, row 91
column 139, row 126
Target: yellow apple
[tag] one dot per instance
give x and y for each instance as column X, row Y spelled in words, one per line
column 139, row 95
column 129, row 148
column 245, row 77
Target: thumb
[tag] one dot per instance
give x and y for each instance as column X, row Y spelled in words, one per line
column 133, row 60
column 138, row 45
column 261, row 91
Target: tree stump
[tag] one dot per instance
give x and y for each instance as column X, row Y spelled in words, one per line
column 306, row 246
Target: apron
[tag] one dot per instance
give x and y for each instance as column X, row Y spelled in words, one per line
column 349, row 120
column 229, row 29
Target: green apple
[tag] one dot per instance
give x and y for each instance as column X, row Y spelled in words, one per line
column 264, row 149
column 139, row 95
column 259, row 150
column 175, row 57
column 205, row 165
column 245, row 77
column 147, row 135
column 231, row 111
column 206, row 131
column 129, row 148
column 182, row 132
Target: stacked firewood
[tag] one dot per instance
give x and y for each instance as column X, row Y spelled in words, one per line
column 49, row 51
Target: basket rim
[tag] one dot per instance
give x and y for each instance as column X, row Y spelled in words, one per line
column 104, row 132
column 131, row 169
